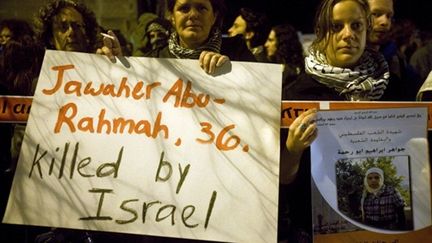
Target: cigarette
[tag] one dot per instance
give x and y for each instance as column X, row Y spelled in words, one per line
column 107, row 36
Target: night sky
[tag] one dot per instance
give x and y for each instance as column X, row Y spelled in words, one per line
column 300, row 13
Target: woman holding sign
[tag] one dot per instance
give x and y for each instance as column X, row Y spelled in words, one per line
column 196, row 35
column 339, row 67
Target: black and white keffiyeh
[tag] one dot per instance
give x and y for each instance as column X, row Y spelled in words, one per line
column 213, row 44
column 366, row 81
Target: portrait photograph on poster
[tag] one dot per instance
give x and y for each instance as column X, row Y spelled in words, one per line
column 370, row 176
column 376, row 191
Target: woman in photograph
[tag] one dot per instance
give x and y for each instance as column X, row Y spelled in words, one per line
column 382, row 206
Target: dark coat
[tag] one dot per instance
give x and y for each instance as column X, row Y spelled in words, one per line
column 307, row 88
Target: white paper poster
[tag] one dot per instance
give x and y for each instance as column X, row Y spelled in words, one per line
column 349, row 144
column 151, row 146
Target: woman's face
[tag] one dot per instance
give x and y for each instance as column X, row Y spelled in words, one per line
column 347, row 38
column 271, row 44
column 373, row 180
column 193, row 20
column 69, row 31
column 5, row 35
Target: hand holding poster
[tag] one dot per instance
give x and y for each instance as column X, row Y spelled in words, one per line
column 366, row 156
column 157, row 147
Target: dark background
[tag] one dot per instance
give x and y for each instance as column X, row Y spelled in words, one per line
column 300, row 13
column 122, row 14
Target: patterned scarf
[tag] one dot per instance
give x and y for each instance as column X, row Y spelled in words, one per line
column 366, row 81
column 213, row 44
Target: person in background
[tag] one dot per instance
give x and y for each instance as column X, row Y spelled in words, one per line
column 67, row 25
column 157, row 33
column 5, row 33
column 63, row 25
column 196, row 35
column 20, row 62
column 138, row 36
column 404, row 82
column 382, row 13
column 254, row 27
column 283, row 46
column 338, row 67
column 421, row 59
column 13, row 29
column 405, row 35
column 405, row 39
column 382, row 206
column 16, row 69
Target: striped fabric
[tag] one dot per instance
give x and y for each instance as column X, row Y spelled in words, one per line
column 382, row 207
column 214, row 44
column 366, row 81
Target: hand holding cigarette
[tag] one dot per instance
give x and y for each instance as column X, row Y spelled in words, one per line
column 111, row 47
column 107, row 36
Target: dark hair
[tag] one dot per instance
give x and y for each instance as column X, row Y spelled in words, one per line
column 18, row 28
column 258, row 23
column 20, row 63
column 289, row 48
column 323, row 21
column 46, row 14
column 289, row 51
column 218, row 6
column 402, row 31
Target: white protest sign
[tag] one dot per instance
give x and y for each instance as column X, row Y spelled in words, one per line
column 151, row 146
column 355, row 140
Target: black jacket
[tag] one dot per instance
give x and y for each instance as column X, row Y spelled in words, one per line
column 307, row 88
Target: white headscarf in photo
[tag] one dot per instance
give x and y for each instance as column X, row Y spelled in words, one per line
column 381, row 182
column 367, row 188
